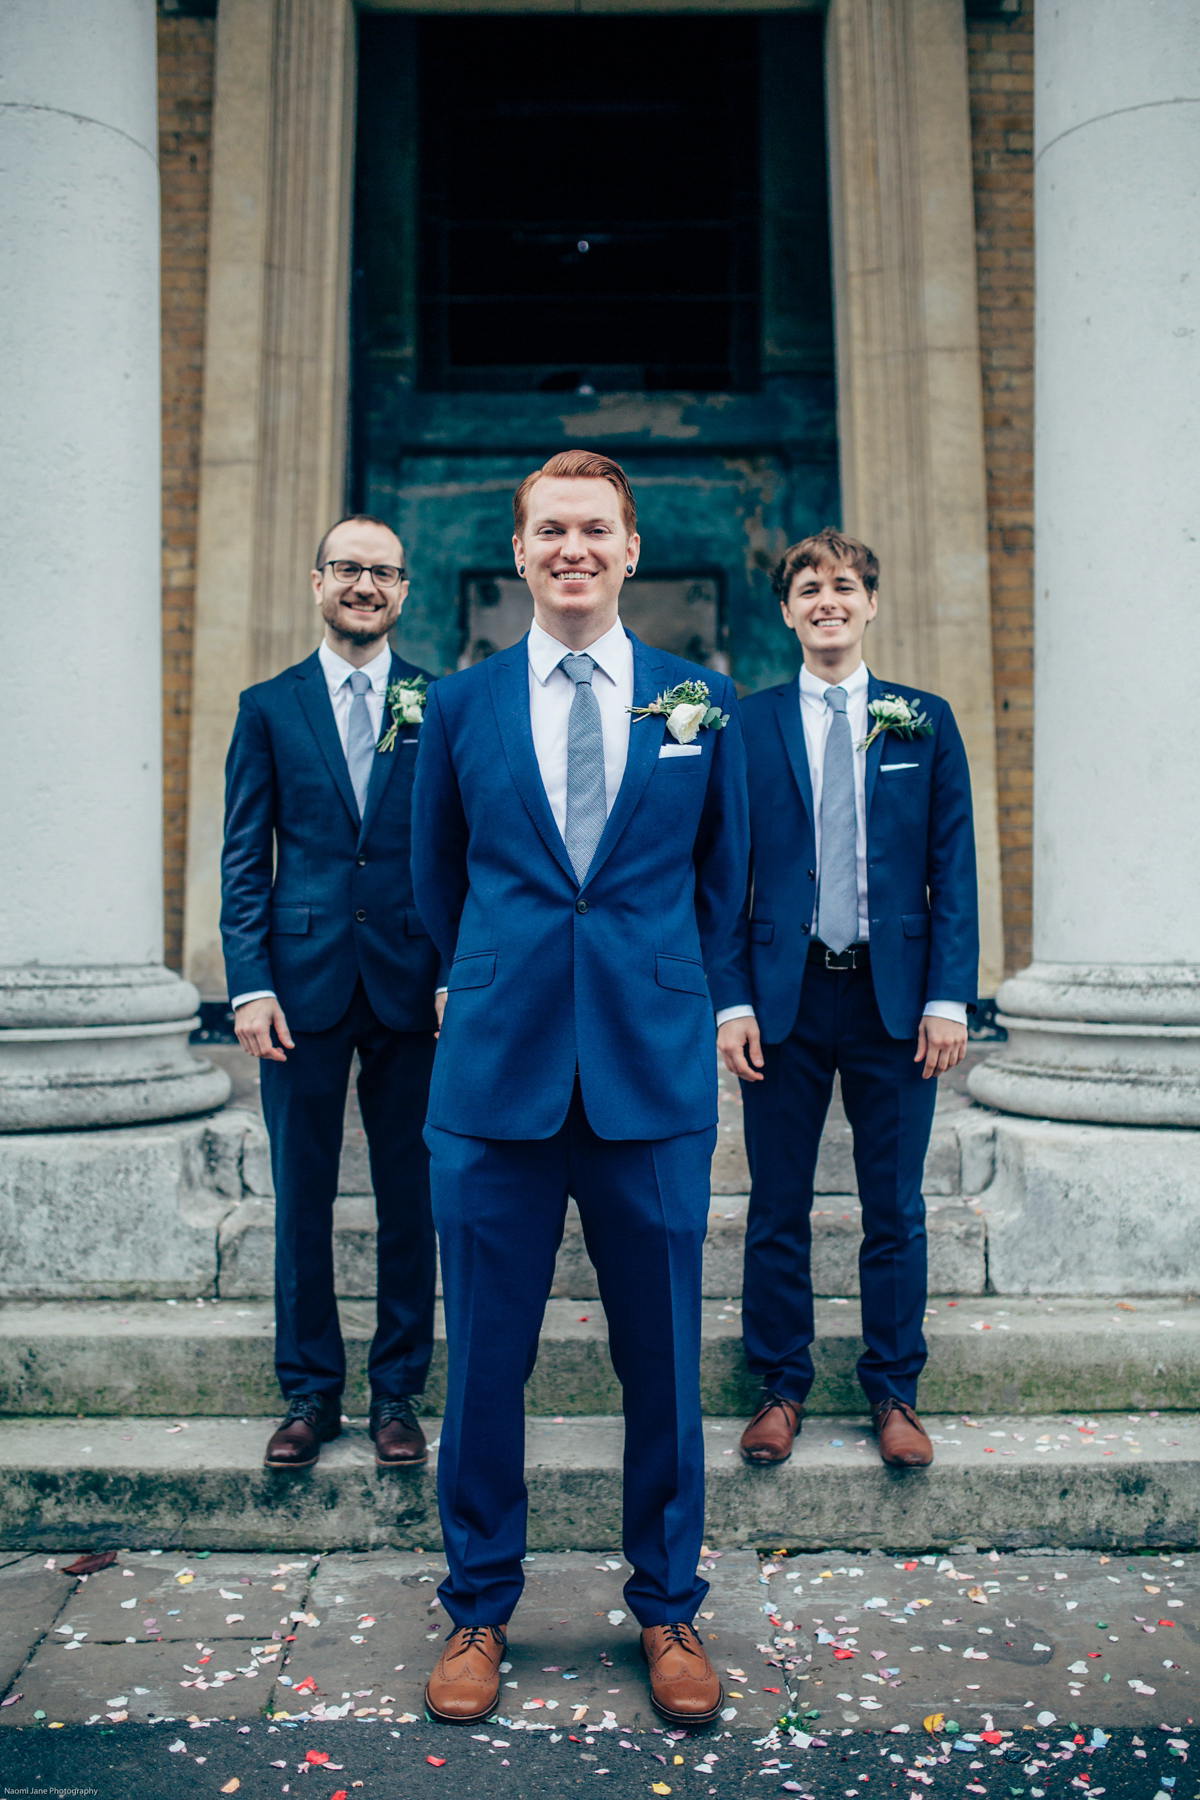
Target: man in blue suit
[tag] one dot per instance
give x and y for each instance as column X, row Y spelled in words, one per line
column 857, row 953
column 578, row 859
column 326, row 955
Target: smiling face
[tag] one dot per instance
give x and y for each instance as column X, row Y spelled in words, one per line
column 575, row 549
column 829, row 610
column 359, row 614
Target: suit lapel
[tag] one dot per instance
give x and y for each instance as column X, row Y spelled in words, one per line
column 875, row 691
column 508, row 678
column 791, row 726
column 381, row 768
column 645, row 742
column 313, row 695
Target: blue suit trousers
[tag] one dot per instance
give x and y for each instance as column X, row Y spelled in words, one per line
column 890, row 1109
column 499, row 1207
column 304, row 1105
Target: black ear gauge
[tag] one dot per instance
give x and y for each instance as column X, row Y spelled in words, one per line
column 520, row 568
column 629, row 568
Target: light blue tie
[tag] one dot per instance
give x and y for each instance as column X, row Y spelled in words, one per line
column 360, row 739
column 837, row 903
column 587, row 808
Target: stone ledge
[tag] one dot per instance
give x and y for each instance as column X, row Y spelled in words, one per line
column 148, row 1358
column 99, row 1482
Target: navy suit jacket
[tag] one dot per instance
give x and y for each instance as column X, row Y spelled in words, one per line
column 921, row 886
column 312, row 898
column 547, row 977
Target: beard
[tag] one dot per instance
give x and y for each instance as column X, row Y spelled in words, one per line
column 371, row 630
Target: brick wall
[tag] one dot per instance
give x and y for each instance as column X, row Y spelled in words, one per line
column 1000, row 68
column 186, row 45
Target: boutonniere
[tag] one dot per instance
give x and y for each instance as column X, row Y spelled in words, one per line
column 407, row 702
column 891, row 713
column 687, row 710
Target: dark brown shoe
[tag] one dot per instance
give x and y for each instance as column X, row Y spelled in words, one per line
column 903, row 1441
column 769, row 1436
column 310, row 1421
column 685, row 1689
column 399, row 1440
column 464, row 1688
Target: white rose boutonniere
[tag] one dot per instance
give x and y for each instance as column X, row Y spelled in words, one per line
column 904, row 717
column 406, row 701
column 688, row 709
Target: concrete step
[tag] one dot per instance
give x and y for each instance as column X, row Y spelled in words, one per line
column 144, row 1484
column 957, row 1249
column 153, row 1357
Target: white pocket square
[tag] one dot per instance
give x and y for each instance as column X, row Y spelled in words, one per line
column 682, row 750
column 889, row 766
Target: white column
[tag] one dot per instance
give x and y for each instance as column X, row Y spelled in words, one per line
column 1105, row 1025
column 93, row 1028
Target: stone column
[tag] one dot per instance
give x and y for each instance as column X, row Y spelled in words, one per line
column 1105, row 1025
column 93, row 1029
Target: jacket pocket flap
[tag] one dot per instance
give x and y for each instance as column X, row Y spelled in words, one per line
column 762, row 931
column 290, row 921
column 915, row 924
column 478, row 969
column 681, row 974
column 414, row 925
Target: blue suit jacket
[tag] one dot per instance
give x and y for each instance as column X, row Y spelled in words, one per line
column 547, row 977
column 921, row 887
column 338, row 903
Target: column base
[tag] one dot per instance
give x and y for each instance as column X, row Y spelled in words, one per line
column 85, row 1047
column 1118, row 1044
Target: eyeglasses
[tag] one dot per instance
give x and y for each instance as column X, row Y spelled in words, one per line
column 384, row 575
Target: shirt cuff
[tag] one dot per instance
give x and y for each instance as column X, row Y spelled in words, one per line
column 954, row 1010
column 440, row 990
column 257, row 994
column 733, row 1012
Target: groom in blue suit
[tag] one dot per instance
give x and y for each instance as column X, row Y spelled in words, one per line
column 578, row 860
column 857, row 954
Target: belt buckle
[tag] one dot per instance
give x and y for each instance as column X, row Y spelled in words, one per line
column 837, row 959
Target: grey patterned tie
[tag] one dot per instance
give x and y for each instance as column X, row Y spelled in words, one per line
column 360, row 739
column 837, row 904
column 587, row 809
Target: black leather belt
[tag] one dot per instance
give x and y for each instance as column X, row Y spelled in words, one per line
column 854, row 956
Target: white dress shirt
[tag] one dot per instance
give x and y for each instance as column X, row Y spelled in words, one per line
column 551, row 692
column 337, row 672
column 815, row 717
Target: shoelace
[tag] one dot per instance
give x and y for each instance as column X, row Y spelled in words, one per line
column 473, row 1637
column 891, row 1405
column 389, row 1412
column 303, row 1406
column 768, row 1399
column 682, row 1636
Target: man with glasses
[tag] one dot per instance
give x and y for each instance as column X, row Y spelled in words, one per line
column 326, row 956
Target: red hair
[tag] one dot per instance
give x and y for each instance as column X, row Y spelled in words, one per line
column 579, row 465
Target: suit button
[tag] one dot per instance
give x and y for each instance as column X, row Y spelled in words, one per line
column 360, row 915
column 812, row 873
column 806, row 929
column 581, row 906
column 361, row 861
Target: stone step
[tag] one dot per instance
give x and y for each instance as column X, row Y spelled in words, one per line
column 151, row 1357
column 956, row 1235
column 140, row 1483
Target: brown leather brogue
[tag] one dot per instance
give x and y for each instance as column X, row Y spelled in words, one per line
column 310, row 1421
column 685, row 1689
column 769, row 1436
column 903, row 1440
column 464, row 1688
column 398, row 1438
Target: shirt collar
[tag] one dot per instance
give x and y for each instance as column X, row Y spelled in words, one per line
column 812, row 685
column 338, row 671
column 611, row 653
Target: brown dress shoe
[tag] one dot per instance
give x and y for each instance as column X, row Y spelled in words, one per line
column 903, row 1441
column 685, row 1689
column 465, row 1685
column 769, row 1436
column 399, row 1440
column 310, row 1421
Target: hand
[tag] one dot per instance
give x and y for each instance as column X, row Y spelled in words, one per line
column 439, row 1003
column 738, row 1039
column 941, row 1043
column 253, row 1024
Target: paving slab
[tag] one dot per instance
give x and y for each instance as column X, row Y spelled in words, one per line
column 31, row 1599
column 1010, row 1481
column 107, row 1357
